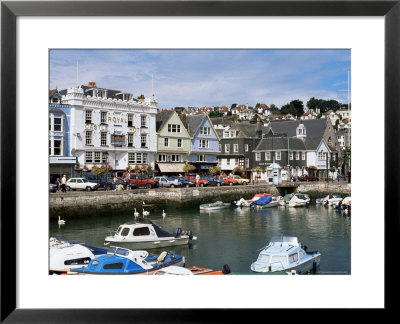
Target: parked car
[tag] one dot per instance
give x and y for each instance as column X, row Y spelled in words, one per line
column 214, row 181
column 306, row 177
column 202, row 182
column 52, row 187
column 185, row 183
column 240, row 180
column 81, row 184
column 228, row 181
column 163, row 181
column 100, row 179
column 141, row 180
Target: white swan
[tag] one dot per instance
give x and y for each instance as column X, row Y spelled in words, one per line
column 146, row 213
column 163, row 214
column 136, row 213
column 60, row 221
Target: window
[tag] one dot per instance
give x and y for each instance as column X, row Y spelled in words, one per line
column 138, row 158
column 103, row 117
column 88, row 116
column 246, row 147
column 49, row 147
column 236, row 161
column 118, row 265
column 200, row 158
column 303, row 156
column 97, row 157
column 57, row 124
column 227, row 148
column 174, row 128
column 141, row 231
column 320, row 155
column 144, row 158
column 88, row 138
column 226, row 134
column 258, row 156
column 130, row 140
column 228, row 161
column 279, row 259
column 143, row 122
column 179, row 142
column 162, row 158
column 166, row 142
column 57, row 147
column 233, row 133
column 88, row 157
column 267, row 156
column 175, row 158
column 235, row 148
column 297, row 156
column 291, row 155
column 205, row 130
column 49, row 123
column 203, row 144
column 143, row 141
column 293, row 257
column 247, row 163
column 130, row 120
column 103, row 138
column 278, row 156
column 131, row 158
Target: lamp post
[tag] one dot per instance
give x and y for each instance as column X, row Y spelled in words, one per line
column 105, row 155
column 327, row 172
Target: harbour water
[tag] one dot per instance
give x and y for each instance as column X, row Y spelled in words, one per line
column 233, row 236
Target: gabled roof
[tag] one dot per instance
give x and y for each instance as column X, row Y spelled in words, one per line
column 194, row 122
column 280, row 143
column 315, row 127
column 162, row 117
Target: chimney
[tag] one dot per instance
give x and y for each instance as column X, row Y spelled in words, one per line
column 259, row 128
column 92, row 84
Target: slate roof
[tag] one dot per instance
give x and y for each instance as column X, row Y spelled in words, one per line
column 245, row 130
column 315, row 127
column 280, row 143
column 193, row 123
column 162, row 117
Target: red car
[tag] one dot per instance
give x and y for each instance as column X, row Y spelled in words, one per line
column 192, row 178
column 306, row 177
column 228, row 181
column 141, row 180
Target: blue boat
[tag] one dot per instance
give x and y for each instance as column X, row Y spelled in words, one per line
column 265, row 202
column 124, row 261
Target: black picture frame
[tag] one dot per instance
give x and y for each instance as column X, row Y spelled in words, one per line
column 10, row 10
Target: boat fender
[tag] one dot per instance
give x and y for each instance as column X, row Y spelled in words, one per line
column 226, row 269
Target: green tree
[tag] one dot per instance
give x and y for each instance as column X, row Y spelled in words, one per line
column 295, row 107
column 238, row 170
column 253, row 120
column 188, row 168
column 215, row 170
column 274, row 109
column 233, row 105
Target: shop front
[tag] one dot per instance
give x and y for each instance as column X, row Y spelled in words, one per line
column 60, row 165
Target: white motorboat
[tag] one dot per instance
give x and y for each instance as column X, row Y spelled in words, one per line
column 286, row 253
column 144, row 234
column 266, row 202
column 299, row 200
column 215, row 206
column 66, row 255
column 330, row 200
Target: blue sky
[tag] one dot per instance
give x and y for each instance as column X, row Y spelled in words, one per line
column 208, row 77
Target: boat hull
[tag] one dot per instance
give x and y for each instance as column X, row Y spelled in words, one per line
column 269, row 205
column 303, row 267
column 214, row 207
column 144, row 245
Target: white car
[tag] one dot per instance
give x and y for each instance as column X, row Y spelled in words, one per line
column 81, row 184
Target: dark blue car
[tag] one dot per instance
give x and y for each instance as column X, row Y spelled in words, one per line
column 185, row 183
column 214, row 181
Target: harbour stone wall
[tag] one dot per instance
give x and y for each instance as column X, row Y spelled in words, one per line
column 96, row 203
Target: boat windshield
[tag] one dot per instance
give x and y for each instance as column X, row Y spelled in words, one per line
column 285, row 239
column 264, row 258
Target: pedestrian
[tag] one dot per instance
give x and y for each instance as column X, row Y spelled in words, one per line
column 63, row 183
column 58, row 184
column 230, row 175
column 115, row 182
column 197, row 180
column 338, row 176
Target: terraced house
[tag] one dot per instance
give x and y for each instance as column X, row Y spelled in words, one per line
column 173, row 142
column 298, row 148
column 204, row 140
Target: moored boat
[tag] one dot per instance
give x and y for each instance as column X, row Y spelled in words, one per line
column 266, row 202
column 65, row 255
column 286, row 253
column 299, row 200
column 144, row 234
column 128, row 262
column 247, row 203
column 215, row 206
column 173, row 270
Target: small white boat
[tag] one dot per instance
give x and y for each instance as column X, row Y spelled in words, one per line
column 299, row 200
column 144, row 234
column 247, row 203
column 215, row 206
column 66, row 255
column 173, row 270
column 266, row 202
column 328, row 200
column 286, row 253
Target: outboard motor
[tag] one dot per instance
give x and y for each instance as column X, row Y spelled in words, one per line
column 190, row 235
column 177, row 231
column 226, row 269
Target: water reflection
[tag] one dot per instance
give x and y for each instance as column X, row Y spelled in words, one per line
column 233, row 236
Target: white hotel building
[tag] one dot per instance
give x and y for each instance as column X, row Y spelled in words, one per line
column 109, row 126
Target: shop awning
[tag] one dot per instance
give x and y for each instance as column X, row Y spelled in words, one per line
column 171, row 167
